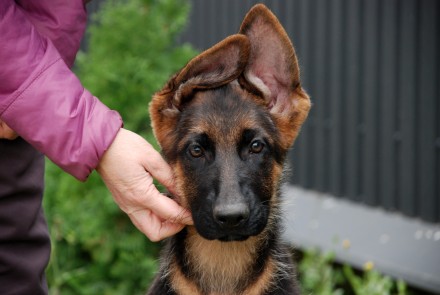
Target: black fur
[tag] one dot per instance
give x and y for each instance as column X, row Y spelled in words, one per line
column 225, row 123
column 286, row 283
column 222, row 109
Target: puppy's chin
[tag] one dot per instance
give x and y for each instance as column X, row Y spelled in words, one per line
column 231, row 235
column 225, row 238
column 233, row 238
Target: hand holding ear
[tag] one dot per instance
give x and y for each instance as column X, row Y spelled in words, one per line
column 128, row 168
column 6, row 132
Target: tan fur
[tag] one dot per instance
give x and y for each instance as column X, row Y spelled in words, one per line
column 230, row 273
column 182, row 188
column 164, row 105
column 290, row 111
column 221, row 272
column 265, row 281
column 290, row 126
column 270, row 34
column 183, row 286
column 222, row 268
column 180, row 284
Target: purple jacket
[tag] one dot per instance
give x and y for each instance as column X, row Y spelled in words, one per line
column 40, row 98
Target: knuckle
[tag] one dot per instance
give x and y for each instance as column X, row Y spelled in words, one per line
column 154, row 237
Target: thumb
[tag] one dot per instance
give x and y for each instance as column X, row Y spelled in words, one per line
column 160, row 170
column 168, row 210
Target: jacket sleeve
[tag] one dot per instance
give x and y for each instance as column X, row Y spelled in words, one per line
column 44, row 102
column 63, row 22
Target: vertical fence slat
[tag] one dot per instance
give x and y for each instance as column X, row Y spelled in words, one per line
column 225, row 8
column 320, row 89
column 437, row 97
column 198, row 21
column 337, row 104
column 352, row 99
column 306, row 175
column 213, row 36
column 300, row 147
column 311, row 82
column 289, row 17
column 428, row 54
column 326, row 99
column 407, row 94
column 292, row 27
column 388, row 96
column 369, row 146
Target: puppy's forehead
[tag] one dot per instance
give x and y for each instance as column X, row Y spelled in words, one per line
column 223, row 114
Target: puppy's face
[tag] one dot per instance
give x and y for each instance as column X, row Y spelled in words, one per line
column 225, row 123
column 228, row 160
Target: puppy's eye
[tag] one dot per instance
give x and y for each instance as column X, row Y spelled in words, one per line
column 256, row 147
column 196, row 151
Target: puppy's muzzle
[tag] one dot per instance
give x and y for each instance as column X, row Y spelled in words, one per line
column 230, row 216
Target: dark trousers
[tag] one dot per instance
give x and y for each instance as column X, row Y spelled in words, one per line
column 24, row 236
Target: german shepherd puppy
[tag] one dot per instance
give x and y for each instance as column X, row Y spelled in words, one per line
column 225, row 123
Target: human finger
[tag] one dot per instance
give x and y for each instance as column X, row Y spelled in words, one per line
column 155, row 164
column 167, row 208
column 153, row 226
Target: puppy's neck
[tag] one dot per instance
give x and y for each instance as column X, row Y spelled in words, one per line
column 215, row 267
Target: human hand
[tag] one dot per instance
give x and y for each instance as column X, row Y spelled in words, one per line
column 128, row 168
column 6, row 132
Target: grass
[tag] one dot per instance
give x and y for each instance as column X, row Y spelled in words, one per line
column 320, row 275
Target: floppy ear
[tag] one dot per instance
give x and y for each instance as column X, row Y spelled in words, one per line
column 273, row 72
column 217, row 66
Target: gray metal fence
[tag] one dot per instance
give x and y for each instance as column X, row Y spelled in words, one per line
column 372, row 68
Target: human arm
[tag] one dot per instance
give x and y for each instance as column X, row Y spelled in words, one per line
column 44, row 102
column 126, row 174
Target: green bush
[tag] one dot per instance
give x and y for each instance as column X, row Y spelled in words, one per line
column 132, row 52
column 319, row 275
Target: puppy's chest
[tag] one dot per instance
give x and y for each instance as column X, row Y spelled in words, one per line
column 218, row 268
column 221, row 266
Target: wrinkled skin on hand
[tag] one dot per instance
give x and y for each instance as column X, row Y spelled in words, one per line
column 128, row 168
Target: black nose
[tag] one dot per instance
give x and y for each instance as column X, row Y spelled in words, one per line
column 231, row 215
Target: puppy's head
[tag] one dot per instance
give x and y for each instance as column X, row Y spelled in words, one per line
column 225, row 123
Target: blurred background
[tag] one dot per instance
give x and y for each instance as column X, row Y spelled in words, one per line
column 363, row 197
